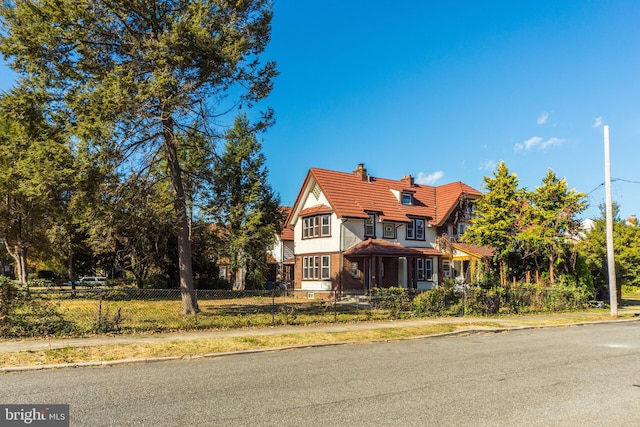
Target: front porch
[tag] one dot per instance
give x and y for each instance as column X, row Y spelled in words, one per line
column 376, row 263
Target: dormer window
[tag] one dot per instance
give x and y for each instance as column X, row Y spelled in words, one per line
column 407, row 198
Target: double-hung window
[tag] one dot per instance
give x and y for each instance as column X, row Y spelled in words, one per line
column 325, row 225
column 316, row 267
column 424, row 268
column 310, row 227
column 411, row 230
column 419, row 229
column 370, row 226
column 325, row 272
column 415, row 229
column 316, row 226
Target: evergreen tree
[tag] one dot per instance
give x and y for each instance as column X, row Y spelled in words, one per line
column 145, row 74
column 36, row 170
column 244, row 204
column 496, row 216
column 626, row 248
column 551, row 220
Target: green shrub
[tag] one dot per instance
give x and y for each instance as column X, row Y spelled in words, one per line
column 41, row 283
column 484, row 302
column 631, row 290
column 394, row 298
column 439, row 301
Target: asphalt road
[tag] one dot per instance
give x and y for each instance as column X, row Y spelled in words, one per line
column 573, row 376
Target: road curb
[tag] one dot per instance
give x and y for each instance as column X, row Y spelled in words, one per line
column 463, row 332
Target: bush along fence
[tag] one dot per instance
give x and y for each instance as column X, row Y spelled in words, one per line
column 65, row 312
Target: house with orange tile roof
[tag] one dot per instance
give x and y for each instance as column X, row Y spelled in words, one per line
column 353, row 232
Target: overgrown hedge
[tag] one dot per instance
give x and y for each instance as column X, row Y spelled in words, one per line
column 480, row 301
column 21, row 316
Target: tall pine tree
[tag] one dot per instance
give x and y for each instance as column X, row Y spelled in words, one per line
column 496, row 216
column 244, row 205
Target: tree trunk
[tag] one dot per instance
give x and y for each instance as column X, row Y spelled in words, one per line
column 189, row 302
column 19, row 255
column 551, row 276
column 70, row 266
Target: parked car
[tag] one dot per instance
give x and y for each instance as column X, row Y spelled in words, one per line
column 93, row 281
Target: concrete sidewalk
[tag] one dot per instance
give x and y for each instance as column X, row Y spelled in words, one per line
column 473, row 323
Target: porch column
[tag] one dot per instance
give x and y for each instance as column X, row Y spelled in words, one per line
column 402, row 272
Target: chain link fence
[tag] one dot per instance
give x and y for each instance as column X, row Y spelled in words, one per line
column 65, row 312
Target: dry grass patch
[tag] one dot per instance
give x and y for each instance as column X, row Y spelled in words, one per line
column 221, row 345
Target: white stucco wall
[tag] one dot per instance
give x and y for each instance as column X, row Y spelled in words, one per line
column 354, row 234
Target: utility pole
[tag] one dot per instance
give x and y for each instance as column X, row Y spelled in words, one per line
column 611, row 265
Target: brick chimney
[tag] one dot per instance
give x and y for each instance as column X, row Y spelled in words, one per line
column 409, row 179
column 361, row 171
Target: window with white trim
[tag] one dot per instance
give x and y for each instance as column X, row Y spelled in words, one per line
column 415, row 229
column 370, row 226
column 316, row 226
column 325, row 272
column 325, row 225
column 388, row 230
column 419, row 228
column 424, row 268
column 407, row 198
column 411, row 231
column 316, row 267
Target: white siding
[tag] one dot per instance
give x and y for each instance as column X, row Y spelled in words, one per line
column 282, row 251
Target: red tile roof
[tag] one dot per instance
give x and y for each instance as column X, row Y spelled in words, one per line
column 316, row 210
column 382, row 247
column 287, row 233
column 351, row 196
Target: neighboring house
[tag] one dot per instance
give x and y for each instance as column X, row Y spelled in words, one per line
column 280, row 258
column 353, row 232
column 466, row 262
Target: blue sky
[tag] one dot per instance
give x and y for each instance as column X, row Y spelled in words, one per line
column 446, row 90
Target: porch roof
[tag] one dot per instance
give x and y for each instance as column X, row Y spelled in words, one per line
column 475, row 251
column 380, row 247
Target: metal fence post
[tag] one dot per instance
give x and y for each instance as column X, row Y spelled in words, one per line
column 335, row 307
column 273, row 307
column 100, row 312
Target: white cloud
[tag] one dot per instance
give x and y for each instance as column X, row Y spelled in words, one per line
column 539, row 143
column 551, row 142
column 488, row 165
column 597, row 122
column 528, row 144
column 429, row 179
column 542, row 119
